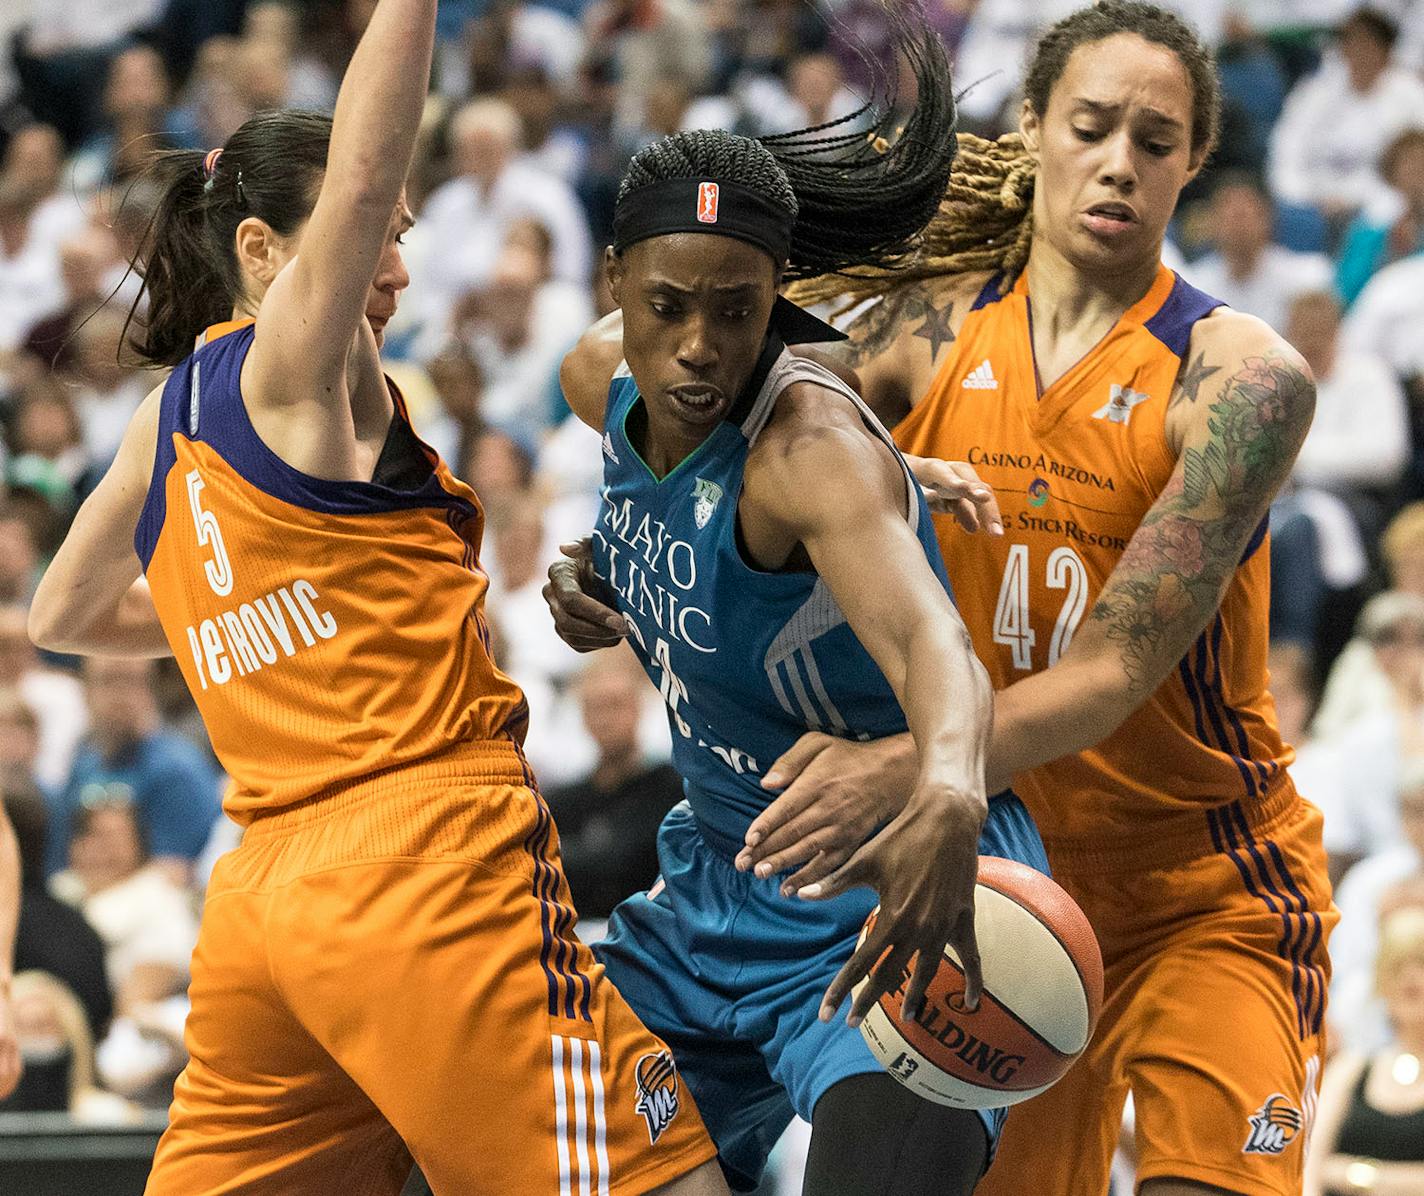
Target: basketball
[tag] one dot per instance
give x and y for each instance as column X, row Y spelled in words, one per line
column 1043, row 989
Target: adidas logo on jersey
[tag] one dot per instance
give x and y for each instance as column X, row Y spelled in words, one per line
column 608, row 449
column 1121, row 401
column 981, row 378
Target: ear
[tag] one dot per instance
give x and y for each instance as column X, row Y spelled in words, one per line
column 261, row 250
column 1030, row 127
column 1196, row 161
column 615, row 269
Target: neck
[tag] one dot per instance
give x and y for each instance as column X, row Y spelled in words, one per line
column 1241, row 260
column 1067, row 297
column 614, row 767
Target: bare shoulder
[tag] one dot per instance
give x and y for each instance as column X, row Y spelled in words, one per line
column 899, row 342
column 589, row 367
column 814, row 450
column 1236, row 362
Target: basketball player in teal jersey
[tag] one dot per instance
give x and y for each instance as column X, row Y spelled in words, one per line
column 753, row 510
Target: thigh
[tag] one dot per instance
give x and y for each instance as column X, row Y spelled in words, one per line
column 461, row 1003
column 261, row 1106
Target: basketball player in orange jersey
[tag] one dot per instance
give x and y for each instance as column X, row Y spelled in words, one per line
column 1135, row 432
column 386, row 967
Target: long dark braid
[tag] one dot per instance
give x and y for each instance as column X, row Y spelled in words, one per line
column 860, row 197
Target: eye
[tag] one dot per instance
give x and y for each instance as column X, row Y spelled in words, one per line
column 1160, row 148
column 666, row 310
column 740, row 313
column 1087, row 134
column 400, row 238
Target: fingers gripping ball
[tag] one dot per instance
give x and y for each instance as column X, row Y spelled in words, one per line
column 1043, row 990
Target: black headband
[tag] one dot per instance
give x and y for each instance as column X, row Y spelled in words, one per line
column 725, row 209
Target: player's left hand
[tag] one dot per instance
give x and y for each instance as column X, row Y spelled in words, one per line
column 924, row 865
column 954, row 488
column 583, row 606
column 837, row 791
column 9, row 1044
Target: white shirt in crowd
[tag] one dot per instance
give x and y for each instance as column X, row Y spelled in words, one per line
column 1356, row 1013
column 85, row 24
column 1329, row 137
column 1353, row 778
column 57, row 700
column 1387, row 317
column 462, row 231
column 1360, row 435
column 1280, row 275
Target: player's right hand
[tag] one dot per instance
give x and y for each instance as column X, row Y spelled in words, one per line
column 581, row 602
column 924, row 864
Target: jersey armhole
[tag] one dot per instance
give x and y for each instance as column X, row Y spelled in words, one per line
column 185, row 378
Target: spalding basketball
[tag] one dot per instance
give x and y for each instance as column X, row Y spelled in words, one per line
column 1043, row 989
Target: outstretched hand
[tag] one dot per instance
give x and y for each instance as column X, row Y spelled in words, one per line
column 954, row 488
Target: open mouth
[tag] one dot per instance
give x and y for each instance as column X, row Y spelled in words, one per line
column 1110, row 218
column 698, row 402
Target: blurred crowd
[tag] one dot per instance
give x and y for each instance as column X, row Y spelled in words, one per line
column 1310, row 215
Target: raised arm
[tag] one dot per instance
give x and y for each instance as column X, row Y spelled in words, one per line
column 1244, row 407
column 315, row 306
column 924, row 862
column 92, row 599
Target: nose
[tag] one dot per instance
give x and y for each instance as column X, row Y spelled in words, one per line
column 695, row 351
column 391, row 274
column 1119, row 164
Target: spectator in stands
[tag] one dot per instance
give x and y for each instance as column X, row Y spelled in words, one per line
column 53, row 936
column 1386, row 317
column 1369, row 1131
column 648, row 40
column 1392, row 225
column 462, row 230
column 55, row 697
column 87, row 262
column 608, row 821
column 1354, row 1011
column 1356, row 684
column 30, row 283
column 34, row 166
column 58, row 1051
column 499, row 468
column 129, row 753
column 518, row 328
column 19, row 559
column 108, row 390
column 137, row 121
column 1247, row 269
column 1337, row 122
column 517, row 558
column 1359, row 440
column 818, row 92
column 1382, row 742
column 145, row 919
column 272, row 30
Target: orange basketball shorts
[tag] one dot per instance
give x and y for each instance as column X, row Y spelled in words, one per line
column 1216, row 975
column 390, row 972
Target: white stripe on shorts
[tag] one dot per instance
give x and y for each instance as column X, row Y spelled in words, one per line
column 561, row 1117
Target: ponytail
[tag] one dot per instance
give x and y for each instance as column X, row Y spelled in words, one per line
column 270, row 169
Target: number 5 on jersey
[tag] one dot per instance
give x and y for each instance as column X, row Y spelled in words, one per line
column 219, row 569
column 1012, row 624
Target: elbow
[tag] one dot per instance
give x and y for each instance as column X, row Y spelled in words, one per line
column 50, row 626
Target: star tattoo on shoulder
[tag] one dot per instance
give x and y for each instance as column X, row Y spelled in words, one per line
column 936, row 328
column 1189, row 381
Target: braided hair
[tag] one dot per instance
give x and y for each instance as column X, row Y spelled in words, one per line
column 859, row 197
column 986, row 219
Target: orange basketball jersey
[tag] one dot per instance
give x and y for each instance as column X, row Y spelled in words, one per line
column 327, row 630
column 1075, row 469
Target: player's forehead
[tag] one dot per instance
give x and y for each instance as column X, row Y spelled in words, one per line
column 1126, row 74
column 701, row 263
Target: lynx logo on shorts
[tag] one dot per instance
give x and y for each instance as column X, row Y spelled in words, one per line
column 1274, row 1126
column 657, row 1092
column 706, row 495
column 707, row 197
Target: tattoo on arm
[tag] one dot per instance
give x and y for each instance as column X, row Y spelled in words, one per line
column 876, row 330
column 1177, row 565
column 1189, row 381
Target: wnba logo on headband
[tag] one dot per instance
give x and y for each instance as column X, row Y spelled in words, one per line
column 708, row 195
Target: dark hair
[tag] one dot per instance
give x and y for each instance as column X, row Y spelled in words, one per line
column 858, row 198
column 270, row 168
column 1108, row 18
column 1373, row 23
